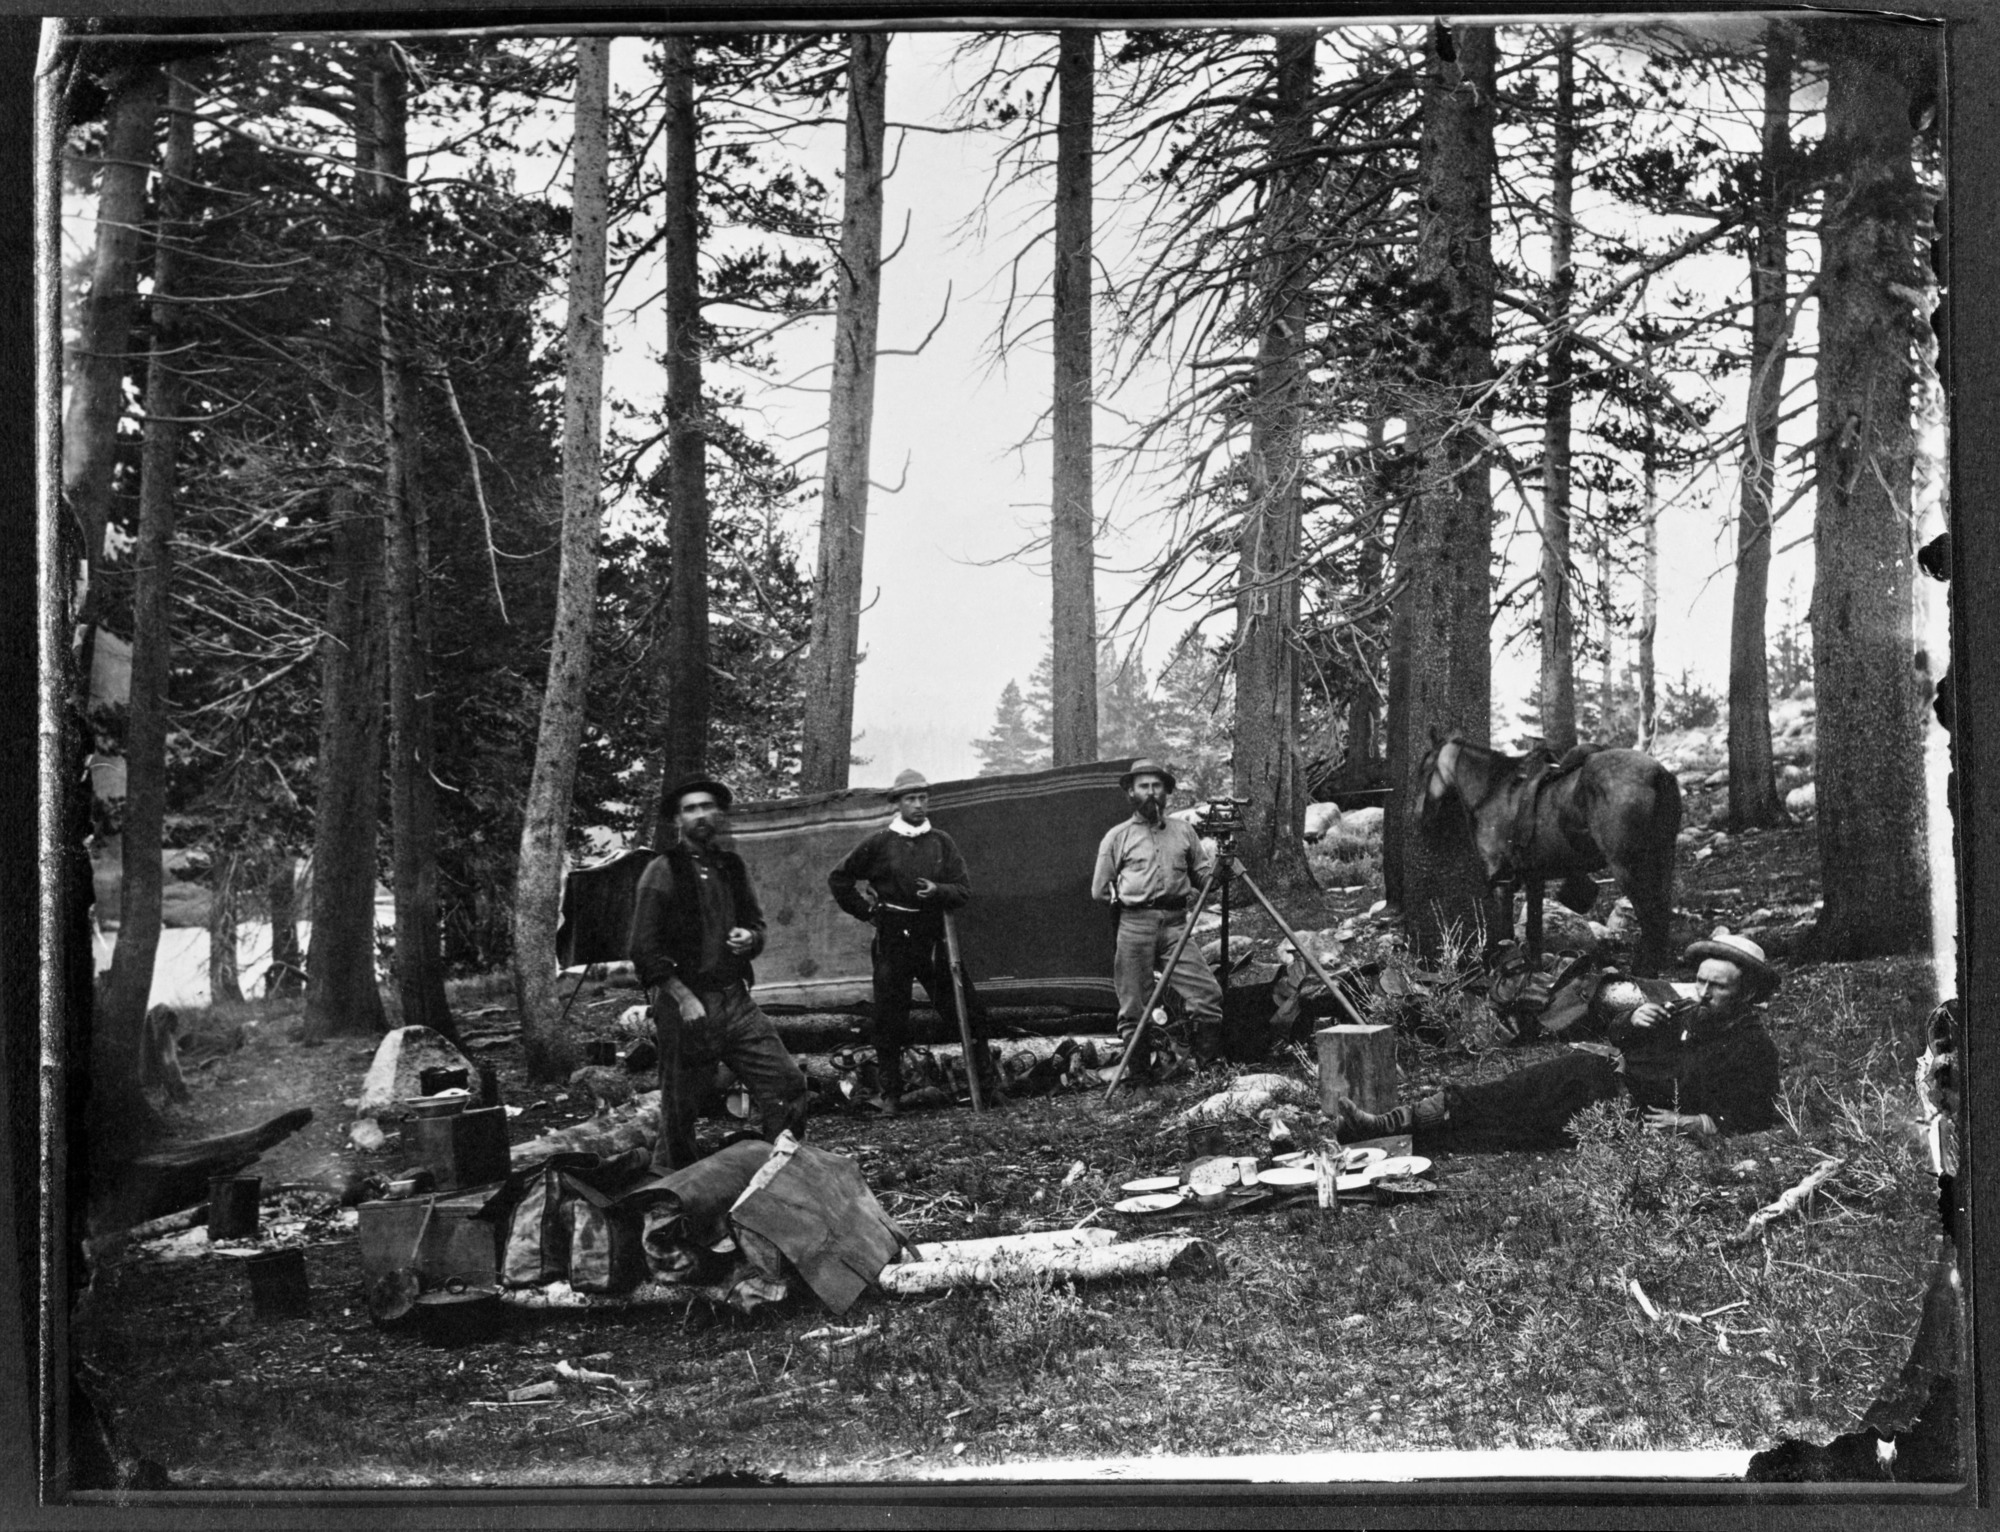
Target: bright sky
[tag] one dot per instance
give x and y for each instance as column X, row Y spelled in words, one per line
column 949, row 619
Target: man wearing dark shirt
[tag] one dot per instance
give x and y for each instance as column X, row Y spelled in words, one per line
column 902, row 879
column 1706, row 1068
column 696, row 925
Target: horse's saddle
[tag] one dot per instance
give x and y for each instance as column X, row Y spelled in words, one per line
column 1538, row 772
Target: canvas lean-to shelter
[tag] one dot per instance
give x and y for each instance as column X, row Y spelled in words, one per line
column 1032, row 935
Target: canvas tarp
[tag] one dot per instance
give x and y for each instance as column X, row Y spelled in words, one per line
column 1031, row 935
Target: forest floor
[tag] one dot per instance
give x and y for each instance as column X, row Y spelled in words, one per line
column 1498, row 1314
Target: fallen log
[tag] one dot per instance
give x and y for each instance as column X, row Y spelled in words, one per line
column 1014, row 1244
column 637, row 1122
column 1140, row 1258
column 172, row 1223
column 171, row 1179
column 1794, row 1198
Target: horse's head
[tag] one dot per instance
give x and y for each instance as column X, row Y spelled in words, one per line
column 1437, row 777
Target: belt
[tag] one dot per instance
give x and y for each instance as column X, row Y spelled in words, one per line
column 1171, row 903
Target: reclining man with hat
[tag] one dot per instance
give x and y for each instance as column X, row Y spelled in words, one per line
column 1150, row 867
column 696, row 925
column 902, row 879
column 1705, row 1067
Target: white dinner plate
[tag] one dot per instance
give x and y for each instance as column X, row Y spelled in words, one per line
column 1155, row 1202
column 1148, row 1184
column 1286, row 1176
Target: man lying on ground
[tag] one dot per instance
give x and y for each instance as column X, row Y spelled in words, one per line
column 1705, row 1067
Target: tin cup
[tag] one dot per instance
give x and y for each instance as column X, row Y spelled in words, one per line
column 1246, row 1169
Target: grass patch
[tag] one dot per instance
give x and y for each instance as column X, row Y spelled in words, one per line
column 1495, row 1316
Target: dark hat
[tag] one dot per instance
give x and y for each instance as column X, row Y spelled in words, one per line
column 1147, row 768
column 670, row 800
column 906, row 782
column 1726, row 946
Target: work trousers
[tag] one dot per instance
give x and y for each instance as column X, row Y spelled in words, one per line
column 910, row 948
column 1530, row 1108
column 1145, row 938
column 733, row 1032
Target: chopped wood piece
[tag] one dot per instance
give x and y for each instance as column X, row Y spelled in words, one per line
column 1795, row 1197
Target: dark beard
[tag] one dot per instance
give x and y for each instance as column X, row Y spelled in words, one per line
column 1151, row 810
column 704, row 835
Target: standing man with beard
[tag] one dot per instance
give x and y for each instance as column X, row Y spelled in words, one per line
column 903, row 879
column 1706, row 1068
column 696, row 925
column 1149, row 868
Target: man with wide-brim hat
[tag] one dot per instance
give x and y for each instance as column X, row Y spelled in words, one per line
column 1149, row 868
column 903, row 879
column 1702, row 1064
column 696, row 926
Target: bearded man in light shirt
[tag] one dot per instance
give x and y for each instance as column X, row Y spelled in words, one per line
column 1150, row 868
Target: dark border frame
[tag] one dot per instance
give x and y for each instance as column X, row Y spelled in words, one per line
column 40, row 962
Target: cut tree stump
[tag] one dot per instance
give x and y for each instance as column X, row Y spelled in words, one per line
column 1358, row 1062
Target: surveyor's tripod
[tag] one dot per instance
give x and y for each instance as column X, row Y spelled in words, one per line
column 1228, row 869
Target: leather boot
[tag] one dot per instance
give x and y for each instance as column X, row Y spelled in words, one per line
column 1355, row 1124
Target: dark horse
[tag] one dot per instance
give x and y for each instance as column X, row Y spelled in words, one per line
column 1533, row 820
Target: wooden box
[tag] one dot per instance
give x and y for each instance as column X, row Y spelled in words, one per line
column 441, row 1237
column 466, row 1149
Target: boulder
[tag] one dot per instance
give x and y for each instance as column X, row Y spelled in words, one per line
column 1623, row 921
column 1802, row 801
column 1321, row 819
column 1563, row 930
column 398, row 1067
column 1362, row 822
column 1240, row 948
column 1719, row 778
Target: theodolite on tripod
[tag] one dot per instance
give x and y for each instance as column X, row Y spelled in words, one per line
column 1219, row 820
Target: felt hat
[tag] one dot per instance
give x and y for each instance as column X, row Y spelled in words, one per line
column 670, row 800
column 1147, row 768
column 906, row 782
column 1726, row 946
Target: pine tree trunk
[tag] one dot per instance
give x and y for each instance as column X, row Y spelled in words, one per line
column 1649, row 613
column 419, row 959
column 1357, row 768
column 1073, row 718
column 223, row 985
column 287, row 973
column 1445, row 553
column 686, row 655
column 121, row 1116
column 1266, row 763
column 1558, row 621
column 1753, row 787
column 341, row 992
column 545, row 817
column 843, row 529
column 104, row 329
column 1874, row 875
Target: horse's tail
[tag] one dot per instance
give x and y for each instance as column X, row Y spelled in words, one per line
column 1667, row 806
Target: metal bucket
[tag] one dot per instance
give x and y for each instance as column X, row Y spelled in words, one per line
column 278, row 1286
column 232, row 1207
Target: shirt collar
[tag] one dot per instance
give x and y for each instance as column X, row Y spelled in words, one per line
column 901, row 826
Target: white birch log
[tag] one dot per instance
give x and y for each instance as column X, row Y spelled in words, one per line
column 1014, row 1244
column 1141, row 1258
